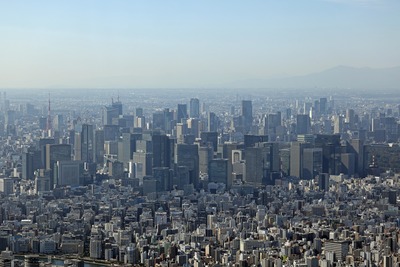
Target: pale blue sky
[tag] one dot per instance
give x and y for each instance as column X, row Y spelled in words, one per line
column 187, row 43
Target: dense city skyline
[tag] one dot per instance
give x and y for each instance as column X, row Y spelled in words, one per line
column 200, row 133
column 182, row 178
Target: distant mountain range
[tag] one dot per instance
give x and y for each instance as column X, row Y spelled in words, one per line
column 338, row 77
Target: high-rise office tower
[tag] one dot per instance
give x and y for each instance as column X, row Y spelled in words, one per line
column 163, row 177
column 194, row 127
column 110, row 113
column 271, row 159
column 54, row 153
column 7, row 186
column 262, row 162
column 315, row 109
column 247, row 115
column 181, row 112
column 188, row 155
column 323, row 181
column 78, row 146
column 350, row 117
column 227, row 149
column 111, row 132
column 271, row 122
column 181, row 131
column 126, row 147
column 356, row 146
column 206, row 154
column 116, row 169
column 296, row 158
column 220, row 171
column 87, row 143
column 98, row 151
column 254, row 166
column 194, row 108
column 303, row 125
column 69, row 173
column 117, row 105
column 31, row 161
column 284, row 155
column 312, row 163
column 182, row 177
column 323, row 105
column 163, row 149
column 306, row 107
column 42, row 147
column 390, row 126
column 58, row 122
column 212, row 122
column 168, row 120
column 331, row 150
column 42, row 181
column 158, row 121
column 143, row 164
column 348, row 164
column 209, row 139
column 338, row 124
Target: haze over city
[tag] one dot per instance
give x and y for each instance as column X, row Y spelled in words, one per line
column 191, row 44
column 200, row 133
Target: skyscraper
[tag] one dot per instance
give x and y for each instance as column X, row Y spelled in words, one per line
column 350, row 117
column 163, row 148
column 296, row 158
column 188, row 155
column 98, row 151
column 69, row 173
column 117, row 105
column 254, row 165
column 163, row 177
column 31, row 161
column 212, row 122
column 109, row 114
column 209, row 138
column 87, row 143
column 126, row 147
column 247, row 115
column 57, row 152
column 194, row 108
column 54, row 153
column 182, row 112
column 312, row 163
column 330, row 144
column 220, row 171
column 193, row 126
column 303, row 125
column 323, row 105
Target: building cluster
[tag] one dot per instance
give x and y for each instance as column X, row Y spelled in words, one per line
column 307, row 184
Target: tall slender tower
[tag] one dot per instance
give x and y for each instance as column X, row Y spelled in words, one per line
column 247, row 115
column 49, row 126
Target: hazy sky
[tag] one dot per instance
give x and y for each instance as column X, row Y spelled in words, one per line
column 188, row 43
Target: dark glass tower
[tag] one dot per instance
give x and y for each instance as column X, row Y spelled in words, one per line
column 247, row 115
